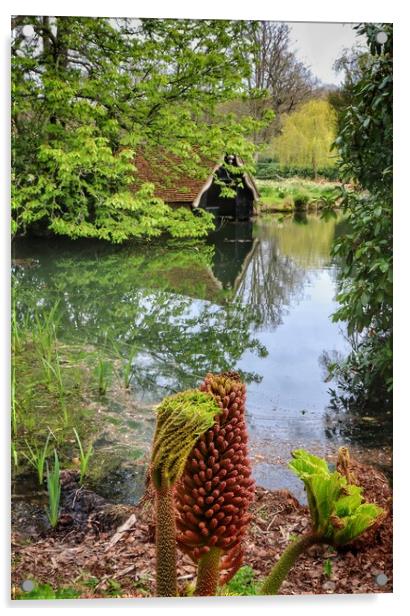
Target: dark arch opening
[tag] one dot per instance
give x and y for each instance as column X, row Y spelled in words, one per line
column 239, row 207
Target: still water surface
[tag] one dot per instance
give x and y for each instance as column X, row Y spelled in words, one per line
column 256, row 297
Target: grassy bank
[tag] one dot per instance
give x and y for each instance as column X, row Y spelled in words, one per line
column 296, row 194
column 50, row 385
column 65, row 396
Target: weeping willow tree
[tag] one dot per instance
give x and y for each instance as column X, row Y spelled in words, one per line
column 307, row 137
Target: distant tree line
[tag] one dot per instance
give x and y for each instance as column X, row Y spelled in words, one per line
column 277, row 82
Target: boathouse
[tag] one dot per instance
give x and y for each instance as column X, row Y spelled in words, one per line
column 179, row 188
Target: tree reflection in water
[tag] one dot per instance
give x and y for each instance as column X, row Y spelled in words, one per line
column 165, row 303
column 184, row 308
column 269, row 282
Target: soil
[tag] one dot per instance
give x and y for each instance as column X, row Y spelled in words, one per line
column 90, row 552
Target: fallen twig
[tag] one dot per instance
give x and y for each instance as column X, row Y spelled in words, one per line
column 128, row 524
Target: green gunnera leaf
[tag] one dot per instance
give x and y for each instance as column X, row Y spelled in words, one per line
column 338, row 511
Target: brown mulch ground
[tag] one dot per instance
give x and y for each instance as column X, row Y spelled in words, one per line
column 95, row 557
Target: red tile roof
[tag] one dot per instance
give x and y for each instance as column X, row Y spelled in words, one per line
column 172, row 184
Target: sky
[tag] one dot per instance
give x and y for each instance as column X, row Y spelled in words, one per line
column 318, row 45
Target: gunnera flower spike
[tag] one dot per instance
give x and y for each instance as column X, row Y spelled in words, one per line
column 181, row 419
column 216, row 489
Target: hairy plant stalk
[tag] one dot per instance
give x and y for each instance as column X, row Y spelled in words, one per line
column 165, row 541
column 208, row 573
column 181, row 419
column 285, row 563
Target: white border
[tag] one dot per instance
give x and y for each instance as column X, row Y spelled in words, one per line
column 315, row 10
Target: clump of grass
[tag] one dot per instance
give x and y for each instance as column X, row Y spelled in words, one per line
column 14, row 418
column 50, row 386
column 288, row 203
column 44, row 333
column 84, row 456
column 113, row 589
column 128, row 368
column 142, row 585
column 243, row 583
column 54, row 491
column 301, row 200
column 15, row 331
column 45, row 340
column 44, row 379
column 45, row 591
column 103, row 371
column 37, row 458
column 55, row 377
column 327, row 568
column 126, row 362
column 15, row 346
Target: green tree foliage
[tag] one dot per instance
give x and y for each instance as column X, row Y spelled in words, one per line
column 86, row 92
column 366, row 294
column 307, row 136
column 352, row 63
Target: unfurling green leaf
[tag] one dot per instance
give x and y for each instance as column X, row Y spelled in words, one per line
column 181, row 419
column 337, row 510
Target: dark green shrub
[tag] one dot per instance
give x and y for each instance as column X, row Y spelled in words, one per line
column 268, row 169
column 301, row 200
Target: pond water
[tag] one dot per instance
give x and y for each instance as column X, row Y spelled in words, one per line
column 256, row 297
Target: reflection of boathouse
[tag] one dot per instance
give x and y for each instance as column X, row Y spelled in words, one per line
column 234, row 246
column 177, row 187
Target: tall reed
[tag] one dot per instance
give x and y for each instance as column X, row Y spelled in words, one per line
column 126, row 360
column 15, row 330
column 45, row 339
column 54, row 491
column 44, row 332
column 37, row 458
column 84, row 456
column 102, row 372
column 54, row 370
column 128, row 368
column 14, row 454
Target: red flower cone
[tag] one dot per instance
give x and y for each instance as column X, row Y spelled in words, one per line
column 215, row 491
